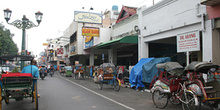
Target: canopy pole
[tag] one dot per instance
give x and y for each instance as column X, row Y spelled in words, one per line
column 187, row 58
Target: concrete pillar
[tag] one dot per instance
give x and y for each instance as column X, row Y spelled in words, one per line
column 91, row 59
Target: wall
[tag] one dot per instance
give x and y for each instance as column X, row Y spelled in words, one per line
column 168, row 18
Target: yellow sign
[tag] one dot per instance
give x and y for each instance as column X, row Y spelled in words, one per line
column 90, row 31
column 86, row 17
column 45, row 44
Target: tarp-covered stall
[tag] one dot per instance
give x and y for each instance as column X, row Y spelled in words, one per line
column 149, row 69
column 145, row 70
column 136, row 73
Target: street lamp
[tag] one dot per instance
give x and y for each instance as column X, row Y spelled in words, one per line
column 23, row 24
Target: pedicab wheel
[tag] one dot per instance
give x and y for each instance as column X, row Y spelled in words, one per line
column 190, row 102
column 0, row 98
column 116, row 85
column 100, row 85
column 35, row 96
column 160, row 99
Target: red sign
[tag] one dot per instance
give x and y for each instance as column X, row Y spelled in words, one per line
column 59, row 51
column 87, row 31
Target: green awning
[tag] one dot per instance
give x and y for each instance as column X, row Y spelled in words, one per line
column 127, row 39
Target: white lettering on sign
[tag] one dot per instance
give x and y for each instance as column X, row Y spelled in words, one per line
column 188, row 42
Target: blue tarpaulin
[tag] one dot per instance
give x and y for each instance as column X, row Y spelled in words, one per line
column 149, row 69
column 136, row 73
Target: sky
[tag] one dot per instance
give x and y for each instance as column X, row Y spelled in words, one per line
column 57, row 16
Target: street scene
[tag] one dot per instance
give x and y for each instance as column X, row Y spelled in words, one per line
column 126, row 55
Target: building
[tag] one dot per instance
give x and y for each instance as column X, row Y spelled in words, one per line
column 176, row 29
column 213, row 21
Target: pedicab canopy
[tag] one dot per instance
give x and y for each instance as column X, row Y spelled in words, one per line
column 202, row 67
column 173, row 68
column 144, row 71
column 106, row 66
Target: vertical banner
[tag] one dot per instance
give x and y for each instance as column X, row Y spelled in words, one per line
column 88, row 41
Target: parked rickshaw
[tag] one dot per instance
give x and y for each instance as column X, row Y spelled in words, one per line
column 106, row 76
column 201, row 90
column 164, row 85
column 18, row 85
column 69, row 71
column 62, row 69
column 79, row 71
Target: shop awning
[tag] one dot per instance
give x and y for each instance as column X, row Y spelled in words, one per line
column 125, row 40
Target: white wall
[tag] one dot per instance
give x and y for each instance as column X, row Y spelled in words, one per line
column 169, row 18
column 124, row 26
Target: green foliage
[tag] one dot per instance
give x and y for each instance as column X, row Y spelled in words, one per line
column 7, row 45
column 16, row 70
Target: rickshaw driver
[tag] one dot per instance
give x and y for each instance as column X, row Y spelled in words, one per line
column 34, row 72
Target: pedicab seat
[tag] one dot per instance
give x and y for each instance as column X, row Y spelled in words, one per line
column 16, row 78
column 108, row 76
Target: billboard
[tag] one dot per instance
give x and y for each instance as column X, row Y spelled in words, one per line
column 89, row 31
column 188, row 42
column 86, row 17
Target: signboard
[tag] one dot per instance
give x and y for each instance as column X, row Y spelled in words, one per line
column 73, row 48
column 59, row 51
column 88, row 41
column 86, row 17
column 188, row 42
column 88, row 31
column 45, row 44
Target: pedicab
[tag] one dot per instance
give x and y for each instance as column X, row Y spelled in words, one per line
column 201, row 90
column 106, row 76
column 69, row 71
column 62, row 69
column 79, row 71
column 165, row 84
column 18, row 85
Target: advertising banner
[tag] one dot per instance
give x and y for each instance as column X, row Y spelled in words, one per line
column 188, row 42
column 73, row 48
column 89, row 31
column 88, row 41
column 59, row 51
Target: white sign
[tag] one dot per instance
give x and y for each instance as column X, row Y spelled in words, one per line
column 188, row 42
column 86, row 17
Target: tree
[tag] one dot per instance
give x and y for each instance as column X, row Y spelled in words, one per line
column 7, row 45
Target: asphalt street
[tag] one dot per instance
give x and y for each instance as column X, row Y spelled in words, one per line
column 66, row 93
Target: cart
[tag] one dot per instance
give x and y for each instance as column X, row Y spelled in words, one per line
column 18, row 85
column 79, row 71
column 69, row 71
column 106, row 76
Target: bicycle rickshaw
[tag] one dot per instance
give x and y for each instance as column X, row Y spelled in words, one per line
column 79, row 71
column 165, row 83
column 106, row 76
column 18, row 85
column 206, row 91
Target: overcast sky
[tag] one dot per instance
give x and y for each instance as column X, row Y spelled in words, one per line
column 57, row 16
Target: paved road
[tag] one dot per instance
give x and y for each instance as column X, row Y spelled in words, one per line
column 65, row 93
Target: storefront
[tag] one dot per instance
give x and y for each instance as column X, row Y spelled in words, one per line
column 162, row 25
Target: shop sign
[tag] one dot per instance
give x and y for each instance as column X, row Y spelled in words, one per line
column 87, row 31
column 45, row 44
column 86, row 17
column 188, row 42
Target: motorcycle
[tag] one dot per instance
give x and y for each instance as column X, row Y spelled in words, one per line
column 43, row 72
column 51, row 73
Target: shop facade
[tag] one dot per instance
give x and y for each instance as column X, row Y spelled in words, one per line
column 162, row 25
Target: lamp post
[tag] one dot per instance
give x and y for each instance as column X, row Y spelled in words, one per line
column 23, row 24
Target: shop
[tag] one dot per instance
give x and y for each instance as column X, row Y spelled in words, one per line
column 179, row 33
